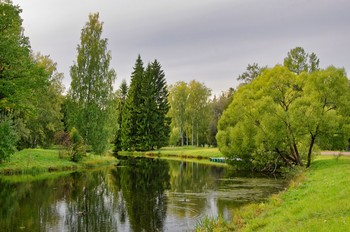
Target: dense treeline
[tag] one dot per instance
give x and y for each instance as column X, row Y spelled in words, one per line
column 30, row 89
column 276, row 116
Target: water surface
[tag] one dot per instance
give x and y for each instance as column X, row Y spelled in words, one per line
column 140, row 195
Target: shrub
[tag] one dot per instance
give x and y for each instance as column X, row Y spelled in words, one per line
column 77, row 148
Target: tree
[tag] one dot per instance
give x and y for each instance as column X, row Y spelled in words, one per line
column 198, row 110
column 8, row 137
column 263, row 125
column 21, row 77
column 299, row 61
column 121, row 99
column 252, row 72
column 161, row 124
column 91, row 91
column 47, row 118
column 145, row 124
column 130, row 122
column 178, row 96
column 217, row 107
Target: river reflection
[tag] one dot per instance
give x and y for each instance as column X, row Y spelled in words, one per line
column 141, row 195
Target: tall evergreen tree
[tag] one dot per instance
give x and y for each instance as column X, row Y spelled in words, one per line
column 132, row 109
column 161, row 128
column 145, row 125
column 91, row 89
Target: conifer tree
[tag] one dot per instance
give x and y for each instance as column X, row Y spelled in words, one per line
column 145, row 125
column 162, row 122
column 131, row 110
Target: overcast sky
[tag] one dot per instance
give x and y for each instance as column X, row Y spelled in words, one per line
column 211, row 41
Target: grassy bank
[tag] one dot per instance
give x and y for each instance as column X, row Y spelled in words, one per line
column 190, row 153
column 316, row 200
column 31, row 161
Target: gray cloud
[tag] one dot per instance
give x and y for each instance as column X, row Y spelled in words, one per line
column 210, row 41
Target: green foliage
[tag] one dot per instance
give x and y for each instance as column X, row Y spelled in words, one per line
column 8, row 139
column 130, row 123
column 120, row 102
column 30, row 87
column 178, row 100
column 47, row 118
column 90, row 96
column 252, row 72
column 77, row 147
column 145, row 125
column 263, row 125
column 190, row 111
column 299, row 61
column 218, row 106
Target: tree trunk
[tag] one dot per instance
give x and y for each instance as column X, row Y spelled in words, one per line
column 283, row 158
column 312, row 142
column 182, row 136
column 197, row 135
column 192, row 131
column 297, row 155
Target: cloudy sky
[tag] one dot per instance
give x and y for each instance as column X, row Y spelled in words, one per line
column 211, row 41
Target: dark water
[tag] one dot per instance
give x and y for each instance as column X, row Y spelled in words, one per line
column 142, row 195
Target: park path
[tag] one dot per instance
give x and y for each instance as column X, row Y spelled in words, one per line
column 335, row 153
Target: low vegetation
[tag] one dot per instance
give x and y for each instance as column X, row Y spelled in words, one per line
column 316, row 200
column 33, row 161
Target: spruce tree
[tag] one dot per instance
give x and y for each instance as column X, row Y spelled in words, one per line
column 161, row 129
column 145, row 125
column 131, row 120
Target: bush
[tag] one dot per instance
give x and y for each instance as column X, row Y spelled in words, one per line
column 8, row 139
column 77, row 148
column 72, row 144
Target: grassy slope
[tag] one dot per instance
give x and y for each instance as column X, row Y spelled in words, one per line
column 317, row 200
column 42, row 160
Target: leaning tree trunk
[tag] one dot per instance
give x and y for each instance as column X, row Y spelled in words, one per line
column 312, row 142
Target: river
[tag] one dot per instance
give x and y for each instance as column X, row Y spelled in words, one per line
column 139, row 195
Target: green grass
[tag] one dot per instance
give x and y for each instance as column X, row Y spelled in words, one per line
column 316, row 200
column 190, row 153
column 32, row 161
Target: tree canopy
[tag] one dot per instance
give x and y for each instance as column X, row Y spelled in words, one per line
column 91, row 92
column 279, row 118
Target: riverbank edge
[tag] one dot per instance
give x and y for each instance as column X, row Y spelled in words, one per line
column 38, row 161
column 315, row 200
column 188, row 154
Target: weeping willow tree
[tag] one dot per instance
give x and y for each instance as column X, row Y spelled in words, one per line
column 280, row 117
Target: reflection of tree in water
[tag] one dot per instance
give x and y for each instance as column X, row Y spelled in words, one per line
column 143, row 182
column 92, row 204
column 28, row 206
column 189, row 180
